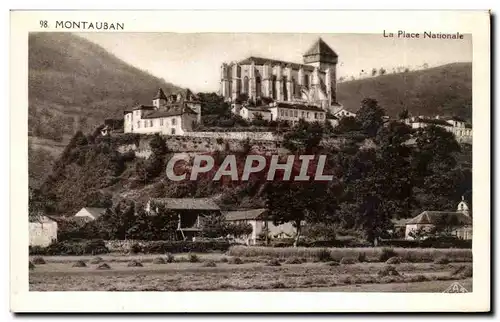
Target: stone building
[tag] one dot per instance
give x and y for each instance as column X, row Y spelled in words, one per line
column 171, row 115
column 312, row 83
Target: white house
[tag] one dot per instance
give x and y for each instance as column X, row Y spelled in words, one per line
column 257, row 219
column 250, row 112
column 43, row 231
column 90, row 213
column 172, row 115
column 455, row 125
column 457, row 223
column 340, row 112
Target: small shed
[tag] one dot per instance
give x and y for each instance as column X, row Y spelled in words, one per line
column 190, row 212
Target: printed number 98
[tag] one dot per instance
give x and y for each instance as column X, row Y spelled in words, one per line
column 44, row 24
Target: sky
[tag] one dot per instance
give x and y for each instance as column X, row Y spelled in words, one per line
column 193, row 60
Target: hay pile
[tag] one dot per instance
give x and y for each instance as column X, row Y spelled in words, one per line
column 209, row 264
column 159, row 260
column 103, row 266
column 134, row 263
column 394, row 260
column 79, row 264
column 39, row 260
column 96, row 260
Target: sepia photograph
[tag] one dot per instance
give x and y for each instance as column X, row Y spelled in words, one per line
column 303, row 162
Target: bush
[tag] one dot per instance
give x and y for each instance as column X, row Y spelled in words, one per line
column 209, row 264
column 388, row 271
column 38, row 260
column 394, row 260
column 332, row 263
column 348, row 261
column 432, row 242
column 193, row 258
column 79, row 264
column 441, row 260
column 224, row 260
column 324, row 255
column 386, row 254
column 162, row 247
column 72, row 247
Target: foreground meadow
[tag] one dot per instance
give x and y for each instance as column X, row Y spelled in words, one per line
column 221, row 272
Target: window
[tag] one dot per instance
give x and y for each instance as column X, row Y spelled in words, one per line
column 295, row 113
column 321, row 115
column 174, row 121
column 151, row 123
column 306, row 81
column 161, row 122
column 138, row 124
column 258, row 86
column 145, row 123
column 245, row 85
column 172, row 131
column 307, row 114
column 274, row 90
column 315, row 115
column 282, row 112
column 303, row 114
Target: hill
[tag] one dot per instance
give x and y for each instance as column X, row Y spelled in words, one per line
column 76, row 84
column 443, row 90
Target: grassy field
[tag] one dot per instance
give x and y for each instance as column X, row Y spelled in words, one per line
column 253, row 273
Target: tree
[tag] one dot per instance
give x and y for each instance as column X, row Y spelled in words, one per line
column 370, row 116
column 348, row 124
column 382, row 71
column 158, row 145
column 304, row 137
column 297, row 202
column 404, row 114
column 374, row 72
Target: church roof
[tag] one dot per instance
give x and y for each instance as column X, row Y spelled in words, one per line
column 320, row 48
column 263, row 61
column 160, row 94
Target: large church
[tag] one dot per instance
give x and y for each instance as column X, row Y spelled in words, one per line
column 314, row 82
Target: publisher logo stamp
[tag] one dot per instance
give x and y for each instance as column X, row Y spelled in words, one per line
column 456, row 287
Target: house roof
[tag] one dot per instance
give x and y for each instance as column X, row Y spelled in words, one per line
column 263, row 61
column 251, row 214
column 257, row 108
column 188, row 95
column 174, row 110
column 441, row 217
column 432, row 121
column 95, row 212
column 456, row 118
column 299, row 107
column 160, row 94
column 187, row 203
column 330, row 116
column 320, row 48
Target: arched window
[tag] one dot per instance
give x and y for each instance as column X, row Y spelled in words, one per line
column 294, row 90
column 274, row 89
column 245, row 85
column 258, row 86
column 306, row 81
column 285, row 91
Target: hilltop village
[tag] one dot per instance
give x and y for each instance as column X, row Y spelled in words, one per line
column 272, row 91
